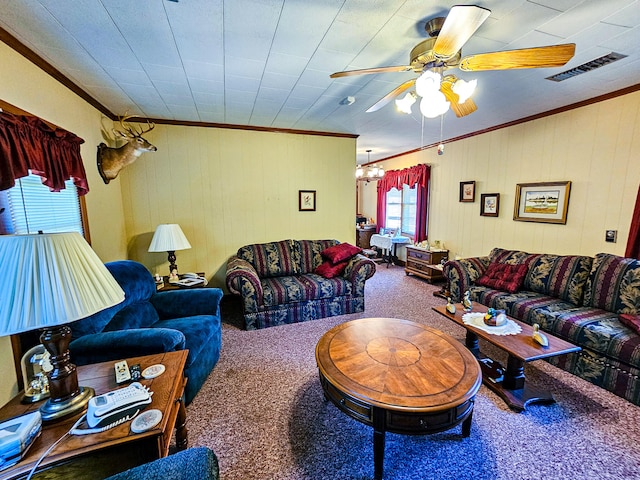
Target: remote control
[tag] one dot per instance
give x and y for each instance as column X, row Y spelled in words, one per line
column 122, row 372
column 136, row 372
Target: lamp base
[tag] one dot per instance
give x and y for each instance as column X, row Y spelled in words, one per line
column 51, row 411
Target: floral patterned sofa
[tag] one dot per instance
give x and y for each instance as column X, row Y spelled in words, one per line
column 278, row 285
column 591, row 302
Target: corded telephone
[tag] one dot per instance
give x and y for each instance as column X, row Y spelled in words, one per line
column 113, row 408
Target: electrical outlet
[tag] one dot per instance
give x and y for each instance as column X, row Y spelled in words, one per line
column 611, row 236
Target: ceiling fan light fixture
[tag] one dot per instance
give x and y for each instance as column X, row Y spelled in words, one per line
column 428, row 81
column 464, row 89
column 405, row 103
column 434, row 105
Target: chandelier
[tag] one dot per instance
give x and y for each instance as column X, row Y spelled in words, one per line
column 433, row 102
column 370, row 172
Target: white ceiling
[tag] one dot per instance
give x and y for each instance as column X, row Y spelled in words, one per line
column 267, row 62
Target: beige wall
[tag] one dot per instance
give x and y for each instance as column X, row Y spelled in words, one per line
column 29, row 88
column 595, row 147
column 228, row 188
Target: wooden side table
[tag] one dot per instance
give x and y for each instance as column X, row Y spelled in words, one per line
column 363, row 235
column 166, row 286
column 425, row 263
column 99, row 455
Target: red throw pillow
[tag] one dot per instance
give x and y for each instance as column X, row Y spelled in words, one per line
column 631, row 321
column 340, row 253
column 503, row 276
column 329, row 270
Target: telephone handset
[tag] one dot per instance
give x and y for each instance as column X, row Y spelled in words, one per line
column 113, row 408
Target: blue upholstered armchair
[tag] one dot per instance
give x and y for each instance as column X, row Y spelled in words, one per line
column 190, row 464
column 148, row 322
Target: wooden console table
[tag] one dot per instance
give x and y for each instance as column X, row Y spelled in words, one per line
column 509, row 382
column 99, row 455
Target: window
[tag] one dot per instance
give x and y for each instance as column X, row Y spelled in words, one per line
column 30, row 207
column 401, row 210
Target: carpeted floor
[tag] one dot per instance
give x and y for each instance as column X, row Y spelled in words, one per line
column 262, row 411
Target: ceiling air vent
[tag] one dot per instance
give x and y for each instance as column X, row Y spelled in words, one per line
column 587, row 67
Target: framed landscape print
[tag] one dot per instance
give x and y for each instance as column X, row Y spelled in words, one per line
column 544, row 202
column 307, row 200
column 490, row 204
column 468, row 191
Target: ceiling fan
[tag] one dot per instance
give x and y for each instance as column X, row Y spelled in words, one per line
column 442, row 51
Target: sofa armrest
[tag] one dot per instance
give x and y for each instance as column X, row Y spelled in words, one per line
column 187, row 302
column 358, row 271
column 242, row 279
column 193, row 463
column 119, row 344
column 461, row 274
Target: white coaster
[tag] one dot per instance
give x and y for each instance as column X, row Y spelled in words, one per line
column 146, row 421
column 153, row 371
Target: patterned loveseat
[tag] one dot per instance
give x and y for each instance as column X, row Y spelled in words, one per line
column 587, row 301
column 278, row 285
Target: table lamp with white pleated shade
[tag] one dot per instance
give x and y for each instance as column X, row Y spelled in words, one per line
column 169, row 237
column 51, row 280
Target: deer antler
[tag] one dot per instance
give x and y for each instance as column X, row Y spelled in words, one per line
column 132, row 131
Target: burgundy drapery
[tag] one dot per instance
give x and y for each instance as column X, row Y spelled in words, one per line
column 28, row 143
column 417, row 176
column 633, row 243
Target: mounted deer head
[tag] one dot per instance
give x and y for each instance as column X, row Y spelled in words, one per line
column 112, row 160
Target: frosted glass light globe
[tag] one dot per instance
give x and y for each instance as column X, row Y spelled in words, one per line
column 427, row 82
column 434, row 104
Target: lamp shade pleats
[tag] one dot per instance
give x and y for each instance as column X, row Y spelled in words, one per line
column 51, row 279
column 168, row 237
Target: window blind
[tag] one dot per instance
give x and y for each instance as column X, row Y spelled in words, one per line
column 35, row 208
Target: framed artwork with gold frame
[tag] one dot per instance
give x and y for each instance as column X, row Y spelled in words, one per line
column 543, row 202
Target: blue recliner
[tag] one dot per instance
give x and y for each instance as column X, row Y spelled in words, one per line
column 147, row 323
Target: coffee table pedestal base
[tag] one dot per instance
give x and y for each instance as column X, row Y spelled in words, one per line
column 511, row 385
column 519, row 398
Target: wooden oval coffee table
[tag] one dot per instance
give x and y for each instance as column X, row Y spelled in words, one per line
column 398, row 376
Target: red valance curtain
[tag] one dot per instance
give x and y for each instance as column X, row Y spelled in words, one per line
column 417, row 176
column 633, row 243
column 28, row 143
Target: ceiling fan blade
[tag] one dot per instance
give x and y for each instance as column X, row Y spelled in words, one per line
column 366, row 71
column 537, row 57
column 391, row 95
column 460, row 109
column 461, row 22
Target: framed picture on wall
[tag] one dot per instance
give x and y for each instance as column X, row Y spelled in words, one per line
column 544, row 202
column 307, row 200
column 468, row 191
column 490, row 204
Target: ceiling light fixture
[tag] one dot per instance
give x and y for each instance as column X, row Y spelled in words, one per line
column 372, row 172
column 434, row 103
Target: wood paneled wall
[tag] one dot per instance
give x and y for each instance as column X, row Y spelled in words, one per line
column 595, row 147
column 229, row 188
